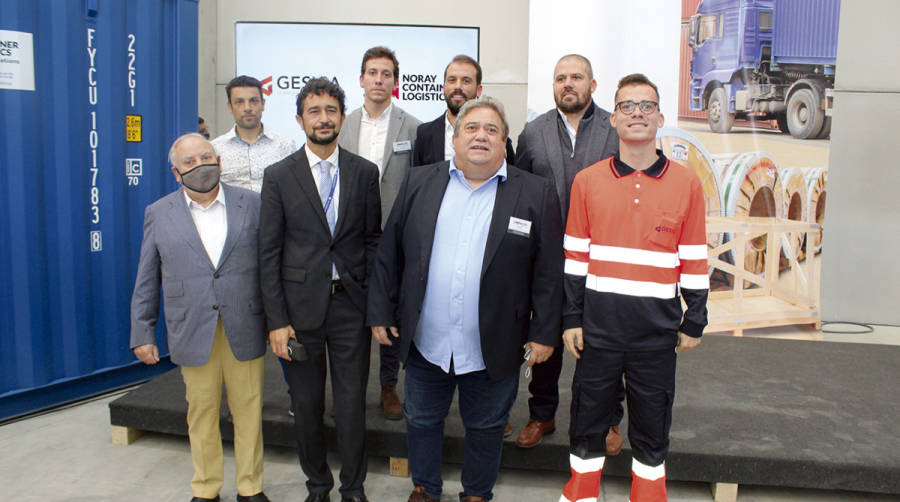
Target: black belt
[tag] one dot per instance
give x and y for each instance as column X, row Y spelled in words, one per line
column 336, row 286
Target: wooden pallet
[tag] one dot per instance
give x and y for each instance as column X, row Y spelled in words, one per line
column 770, row 298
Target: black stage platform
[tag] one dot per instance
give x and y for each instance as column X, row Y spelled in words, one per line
column 747, row 411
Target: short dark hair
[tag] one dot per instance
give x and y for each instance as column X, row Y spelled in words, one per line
column 462, row 58
column 634, row 79
column 317, row 87
column 242, row 81
column 377, row 53
column 200, row 120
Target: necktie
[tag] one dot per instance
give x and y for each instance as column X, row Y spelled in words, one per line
column 325, row 190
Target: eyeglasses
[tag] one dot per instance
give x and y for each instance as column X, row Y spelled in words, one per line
column 628, row 107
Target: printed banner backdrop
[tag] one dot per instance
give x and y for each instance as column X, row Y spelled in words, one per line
column 284, row 55
column 745, row 88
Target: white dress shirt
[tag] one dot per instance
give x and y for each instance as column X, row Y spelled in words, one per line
column 211, row 223
column 333, row 170
column 569, row 129
column 448, row 138
column 372, row 135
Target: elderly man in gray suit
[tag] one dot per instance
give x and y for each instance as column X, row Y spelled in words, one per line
column 384, row 134
column 200, row 244
column 556, row 145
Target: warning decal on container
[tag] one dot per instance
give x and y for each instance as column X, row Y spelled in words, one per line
column 133, row 128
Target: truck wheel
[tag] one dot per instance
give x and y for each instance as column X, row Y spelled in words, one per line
column 803, row 114
column 826, row 129
column 717, row 114
column 781, row 118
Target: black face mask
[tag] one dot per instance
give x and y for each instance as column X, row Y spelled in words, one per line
column 201, row 179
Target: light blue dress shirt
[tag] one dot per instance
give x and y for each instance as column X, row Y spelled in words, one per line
column 448, row 328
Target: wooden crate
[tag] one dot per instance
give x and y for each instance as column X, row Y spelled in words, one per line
column 758, row 300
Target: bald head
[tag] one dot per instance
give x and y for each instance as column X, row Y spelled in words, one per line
column 185, row 139
column 578, row 58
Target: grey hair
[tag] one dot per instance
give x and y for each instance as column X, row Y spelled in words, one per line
column 179, row 140
column 482, row 102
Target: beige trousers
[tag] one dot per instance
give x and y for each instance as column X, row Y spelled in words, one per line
column 203, row 391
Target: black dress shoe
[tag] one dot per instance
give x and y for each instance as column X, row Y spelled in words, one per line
column 355, row 498
column 317, row 497
column 259, row 497
column 201, row 499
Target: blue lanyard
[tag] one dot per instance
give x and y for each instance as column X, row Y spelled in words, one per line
column 331, row 193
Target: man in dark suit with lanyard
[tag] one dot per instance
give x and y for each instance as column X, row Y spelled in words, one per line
column 319, row 226
column 556, row 145
column 467, row 281
column 434, row 140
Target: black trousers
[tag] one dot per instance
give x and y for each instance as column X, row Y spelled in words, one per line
column 346, row 342
column 389, row 356
column 544, row 389
column 650, row 390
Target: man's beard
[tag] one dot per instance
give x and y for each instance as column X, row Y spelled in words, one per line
column 577, row 106
column 327, row 140
column 454, row 108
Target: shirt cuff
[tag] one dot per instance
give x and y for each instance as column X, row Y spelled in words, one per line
column 691, row 328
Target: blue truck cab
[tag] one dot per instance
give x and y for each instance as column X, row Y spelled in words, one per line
column 764, row 60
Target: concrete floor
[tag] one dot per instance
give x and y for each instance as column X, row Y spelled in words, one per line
column 67, row 455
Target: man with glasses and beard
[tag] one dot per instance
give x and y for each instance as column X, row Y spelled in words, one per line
column 200, row 244
column 434, row 140
column 557, row 145
column 318, row 229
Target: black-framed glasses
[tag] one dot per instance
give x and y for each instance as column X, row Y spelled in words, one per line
column 628, row 107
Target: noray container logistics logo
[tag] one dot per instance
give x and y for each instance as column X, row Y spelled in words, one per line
column 421, row 87
column 413, row 87
column 287, row 83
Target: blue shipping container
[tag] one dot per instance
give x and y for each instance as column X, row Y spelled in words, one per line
column 81, row 156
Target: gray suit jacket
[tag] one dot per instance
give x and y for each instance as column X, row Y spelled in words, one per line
column 538, row 150
column 394, row 164
column 195, row 291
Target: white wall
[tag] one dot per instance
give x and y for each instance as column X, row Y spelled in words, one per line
column 503, row 52
column 860, row 271
column 637, row 36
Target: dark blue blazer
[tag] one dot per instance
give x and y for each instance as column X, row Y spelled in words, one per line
column 521, row 279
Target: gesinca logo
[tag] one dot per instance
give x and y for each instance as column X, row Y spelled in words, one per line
column 285, row 83
column 421, row 87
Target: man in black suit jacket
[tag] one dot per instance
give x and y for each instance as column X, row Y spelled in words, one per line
column 467, row 275
column 319, row 226
column 462, row 82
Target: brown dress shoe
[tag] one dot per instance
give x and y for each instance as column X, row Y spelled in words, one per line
column 390, row 403
column 532, row 434
column 418, row 495
column 507, row 431
column 613, row 441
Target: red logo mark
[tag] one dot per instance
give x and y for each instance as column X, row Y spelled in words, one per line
column 267, row 89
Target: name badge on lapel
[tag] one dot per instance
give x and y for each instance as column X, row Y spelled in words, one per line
column 402, row 146
column 519, row 226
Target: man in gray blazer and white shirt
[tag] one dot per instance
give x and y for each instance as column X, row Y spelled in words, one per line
column 557, row 145
column 382, row 133
column 200, row 244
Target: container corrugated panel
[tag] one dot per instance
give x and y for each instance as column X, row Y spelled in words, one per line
column 684, row 76
column 688, row 8
column 82, row 155
column 806, row 31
